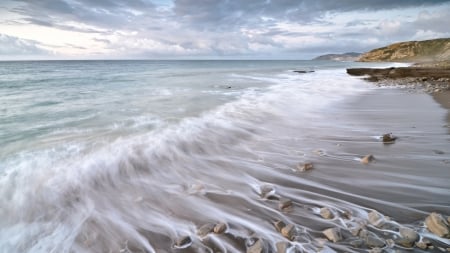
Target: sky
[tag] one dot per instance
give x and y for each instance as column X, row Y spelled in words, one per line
column 212, row 29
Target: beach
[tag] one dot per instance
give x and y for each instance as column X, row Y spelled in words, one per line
column 219, row 156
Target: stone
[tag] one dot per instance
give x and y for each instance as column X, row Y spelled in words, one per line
column 332, row 234
column 367, row 159
column 409, row 234
column 183, row 242
column 288, row 231
column 437, row 225
column 305, row 167
column 358, row 243
column 374, row 241
column 326, row 213
column 404, row 242
column 279, row 225
column 257, row 247
column 220, row 228
column 205, row 229
column 284, row 203
column 282, row 247
column 376, row 250
column 266, row 191
column 376, row 219
column 389, row 138
column 421, row 245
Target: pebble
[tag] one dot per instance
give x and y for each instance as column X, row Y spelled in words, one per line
column 409, row 234
column 282, row 247
column 437, row 225
column 374, row 242
column 367, row 159
column 183, row 242
column 279, row 225
column 326, row 213
column 288, row 231
column 257, row 247
column 305, row 167
column 220, row 228
column 376, row 219
column 284, row 203
column 332, row 234
column 389, row 138
column 205, row 229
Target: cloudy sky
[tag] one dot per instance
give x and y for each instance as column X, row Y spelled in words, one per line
column 212, row 29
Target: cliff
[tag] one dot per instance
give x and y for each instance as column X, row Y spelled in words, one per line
column 411, row 51
column 339, row 57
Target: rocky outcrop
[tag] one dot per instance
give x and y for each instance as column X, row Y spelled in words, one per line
column 352, row 56
column 411, row 51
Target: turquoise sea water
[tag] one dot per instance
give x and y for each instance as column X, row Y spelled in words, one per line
column 128, row 156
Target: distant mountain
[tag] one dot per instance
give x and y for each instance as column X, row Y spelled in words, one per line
column 417, row 51
column 339, row 57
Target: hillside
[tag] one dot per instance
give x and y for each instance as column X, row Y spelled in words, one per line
column 417, row 51
column 339, row 57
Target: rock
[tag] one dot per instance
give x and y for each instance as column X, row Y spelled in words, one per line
column 376, row 219
column 404, row 242
column 266, row 191
column 421, row 245
column 389, row 138
column 409, row 234
column 183, row 242
column 367, row 159
column 220, row 228
column 357, row 243
column 303, row 71
column 374, row 241
column 288, row 231
column 205, row 229
column 257, row 247
column 437, row 225
column 305, row 167
column 390, row 243
column 355, row 228
column 332, row 234
column 326, row 213
column 279, row 225
column 282, row 247
column 284, row 203
column 376, row 250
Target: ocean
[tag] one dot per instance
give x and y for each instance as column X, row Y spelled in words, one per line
column 138, row 156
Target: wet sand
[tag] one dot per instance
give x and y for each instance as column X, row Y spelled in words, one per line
column 443, row 98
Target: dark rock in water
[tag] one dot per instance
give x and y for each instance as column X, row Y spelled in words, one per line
column 256, row 247
column 288, row 231
column 183, row 242
column 285, row 204
column 305, row 167
column 374, row 241
column 389, row 138
column 279, row 225
column 205, row 229
column 303, row 71
column 220, row 228
column 437, row 225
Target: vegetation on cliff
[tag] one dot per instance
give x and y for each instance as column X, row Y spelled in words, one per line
column 411, row 51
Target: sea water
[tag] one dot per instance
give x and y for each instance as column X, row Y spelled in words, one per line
column 131, row 156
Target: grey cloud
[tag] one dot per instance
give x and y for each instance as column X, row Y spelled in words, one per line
column 10, row 45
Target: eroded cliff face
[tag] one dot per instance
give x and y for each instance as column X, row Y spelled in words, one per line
column 427, row 50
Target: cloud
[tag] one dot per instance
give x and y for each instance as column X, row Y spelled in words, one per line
column 10, row 46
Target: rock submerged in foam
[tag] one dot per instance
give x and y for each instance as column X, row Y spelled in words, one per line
column 305, row 166
column 437, row 225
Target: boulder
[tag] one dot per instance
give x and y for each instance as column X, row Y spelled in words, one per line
column 409, row 234
column 220, row 228
column 437, row 224
column 333, row 234
column 326, row 213
column 279, row 225
column 305, row 167
column 367, row 159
